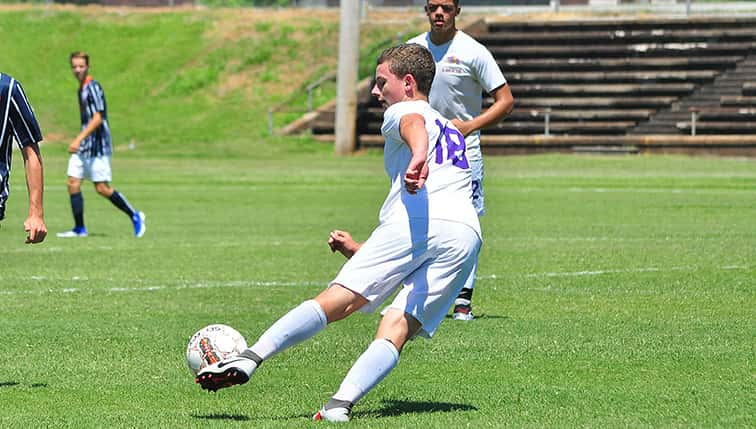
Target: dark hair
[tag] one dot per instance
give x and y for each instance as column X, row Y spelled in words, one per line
column 411, row 58
column 79, row 54
column 456, row 2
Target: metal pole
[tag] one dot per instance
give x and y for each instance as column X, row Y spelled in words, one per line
column 346, row 88
column 546, row 121
column 693, row 119
column 687, row 7
column 555, row 6
column 363, row 10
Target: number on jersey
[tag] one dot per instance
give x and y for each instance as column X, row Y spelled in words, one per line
column 453, row 146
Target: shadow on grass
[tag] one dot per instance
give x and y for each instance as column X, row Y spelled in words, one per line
column 388, row 408
column 15, row 383
column 234, row 417
column 483, row 316
column 396, row 408
column 243, row 418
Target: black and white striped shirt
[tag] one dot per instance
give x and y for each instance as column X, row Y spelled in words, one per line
column 91, row 100
column 16, row 120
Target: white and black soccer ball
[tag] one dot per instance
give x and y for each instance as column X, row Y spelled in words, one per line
column 211, row 344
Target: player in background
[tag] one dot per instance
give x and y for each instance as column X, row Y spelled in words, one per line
column 425, row 245
column 91, row 151
column 464, row 69
column 17, row 120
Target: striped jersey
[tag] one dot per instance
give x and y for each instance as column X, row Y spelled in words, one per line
column 17, row 121
column 91, row 100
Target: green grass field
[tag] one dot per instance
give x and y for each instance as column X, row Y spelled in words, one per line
column 614, row 292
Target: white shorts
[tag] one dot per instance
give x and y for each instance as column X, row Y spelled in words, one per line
column 477, row 186
column 96, row 169
column 430, row 261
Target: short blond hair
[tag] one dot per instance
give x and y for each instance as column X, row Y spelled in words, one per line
column 79, row 54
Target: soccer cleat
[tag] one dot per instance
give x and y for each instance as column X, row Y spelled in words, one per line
column 337, row 414
column 140, row 226
column 226, row 373
column 76, row 232
column 462, row 312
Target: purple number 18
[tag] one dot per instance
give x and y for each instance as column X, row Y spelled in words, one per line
column 455, row 146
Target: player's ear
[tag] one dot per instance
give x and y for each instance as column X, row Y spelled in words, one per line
column 408, row 81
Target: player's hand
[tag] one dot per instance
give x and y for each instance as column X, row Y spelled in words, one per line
column 461, row 126
column 343, row 242
column 414, row 178
column 35, row 228
column 74, row 147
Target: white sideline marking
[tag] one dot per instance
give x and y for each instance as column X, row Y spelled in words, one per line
column 630, row 270
column 232, row 284
column 599, row 272
column 577, row 189
column 258, row 283
column 655, row 190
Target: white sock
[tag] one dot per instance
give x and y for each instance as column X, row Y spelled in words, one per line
column 369, row 369
column 294, row 327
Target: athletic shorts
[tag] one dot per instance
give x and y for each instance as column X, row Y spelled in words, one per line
column 477, row 186
column 96, row 169
column 428, row 261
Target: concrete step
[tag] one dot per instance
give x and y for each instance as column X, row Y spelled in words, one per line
column 555, row 127
column 657, row 25
column 742, row 114
column 643, row 50
column 652, row 102
column 715, row 63
column 719, row 127
column 660, row 76
column 615, row 36
column 741, row 101
column 601, row 89
column 523, row 114
column 605, row 150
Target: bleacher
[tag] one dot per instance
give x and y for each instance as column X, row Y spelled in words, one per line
column 610, row 83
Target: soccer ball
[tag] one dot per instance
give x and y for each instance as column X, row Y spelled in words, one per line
column 211, row 344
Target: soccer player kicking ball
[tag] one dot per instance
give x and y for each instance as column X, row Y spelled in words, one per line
column 91, row 151
column 426, row 242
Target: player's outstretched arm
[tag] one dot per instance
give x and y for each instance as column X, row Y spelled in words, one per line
column 503, row 104
column 343, row 242
column 34, row 225
column 413, row 132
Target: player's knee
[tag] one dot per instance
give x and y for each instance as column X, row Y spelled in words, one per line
column 103, row 189
column 339, row 302
column 74, row 185
column 398, row 327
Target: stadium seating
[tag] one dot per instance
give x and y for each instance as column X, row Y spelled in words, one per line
column 598, row 80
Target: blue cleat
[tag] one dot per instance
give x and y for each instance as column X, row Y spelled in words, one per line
column 140, row 226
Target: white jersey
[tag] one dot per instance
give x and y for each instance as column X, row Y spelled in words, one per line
column 446, row 194
column 464, row 69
